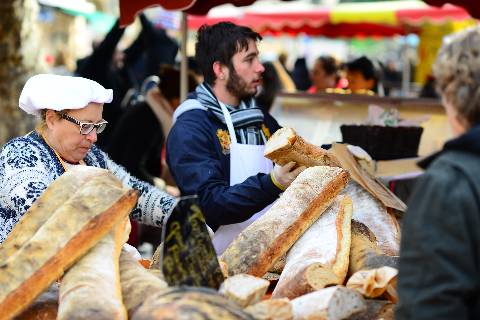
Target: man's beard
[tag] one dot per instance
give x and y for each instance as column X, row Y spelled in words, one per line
column 237, row 86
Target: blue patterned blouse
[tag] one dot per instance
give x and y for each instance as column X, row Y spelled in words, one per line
column 28, row 165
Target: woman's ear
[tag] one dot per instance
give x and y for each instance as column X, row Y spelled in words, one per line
column 51, row 117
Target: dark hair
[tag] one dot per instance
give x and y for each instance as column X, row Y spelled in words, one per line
column 220, row 42
column 364, row 66
column 169, row 83
column 329, row 64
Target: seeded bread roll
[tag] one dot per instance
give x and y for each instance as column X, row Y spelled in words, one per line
column 285, row 146
column 258, row 246
column 320, row 257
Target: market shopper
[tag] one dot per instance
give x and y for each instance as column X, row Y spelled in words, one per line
column 215, row 147
column 324, row 74
column 440, row 248
column 70, row 111
column 362, row 76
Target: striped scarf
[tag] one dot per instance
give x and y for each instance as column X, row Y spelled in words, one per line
column 247, row 118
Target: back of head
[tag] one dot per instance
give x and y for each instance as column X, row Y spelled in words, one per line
column 329, row 64
column 220, row 42
column 457, row 74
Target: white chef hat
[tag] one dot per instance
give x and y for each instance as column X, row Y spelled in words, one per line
column 50, row 91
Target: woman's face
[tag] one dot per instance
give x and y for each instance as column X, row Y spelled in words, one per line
column 320, row 79
column 64, row 136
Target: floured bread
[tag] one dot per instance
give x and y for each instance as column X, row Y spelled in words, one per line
column 373, row 214
column 285, row 146
column 258, row 246
column 320, row 257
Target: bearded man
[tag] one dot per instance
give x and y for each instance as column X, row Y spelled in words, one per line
column 215, row 147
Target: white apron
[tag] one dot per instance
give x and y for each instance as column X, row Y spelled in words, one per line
column 245, row 161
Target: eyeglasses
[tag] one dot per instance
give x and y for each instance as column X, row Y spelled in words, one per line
column 86, row 127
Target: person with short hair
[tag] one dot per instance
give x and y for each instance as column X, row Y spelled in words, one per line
column 361, row 76
column 324, row 74
column 70, row 111
column 440, row 249
column 215, row 147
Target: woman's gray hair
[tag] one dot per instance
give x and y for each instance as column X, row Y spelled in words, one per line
column 457, row 74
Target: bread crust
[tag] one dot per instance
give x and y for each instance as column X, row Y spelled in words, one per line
column 258, row 246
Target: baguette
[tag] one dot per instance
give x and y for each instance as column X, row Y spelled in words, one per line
column 320, row 257
column 244, row 289
column 189, row 303
column 373, row 214
column 262, row 243
column 45, row 307
column 271, row 309
column 59, row 191
column 285, row 146
column 90, row 289
column 137, row 282
column 66, row 236
column 376, row 310
column 333, row 303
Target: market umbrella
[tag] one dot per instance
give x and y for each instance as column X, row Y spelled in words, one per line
column 471, row 6
column 385, row 18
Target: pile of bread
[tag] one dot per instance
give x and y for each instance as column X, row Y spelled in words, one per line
column 331, row 241
column 334, row 244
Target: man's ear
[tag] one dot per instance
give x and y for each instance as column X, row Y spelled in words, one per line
column 219, row 70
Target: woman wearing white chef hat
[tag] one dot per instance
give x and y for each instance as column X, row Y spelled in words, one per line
column 70, row 113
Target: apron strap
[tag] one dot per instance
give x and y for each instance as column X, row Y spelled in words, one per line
column 228, row 121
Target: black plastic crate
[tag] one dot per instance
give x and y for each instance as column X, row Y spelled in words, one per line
column 384, row 143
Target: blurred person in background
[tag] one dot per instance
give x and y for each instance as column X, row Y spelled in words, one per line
column 324, row 74
column 149, row 121
column 440, row 249
column 301, row 75
column 362, row 76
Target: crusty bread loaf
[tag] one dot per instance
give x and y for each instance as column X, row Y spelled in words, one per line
column 59, row 191
column 373, row 214
column 373, row 283
column 376, row 310
column 320, row 257
column 45, row 307
column 285, row 146
column 333, row 303
column 90, row 289
column 66, row 236
column 189, row 303
column 364, row 251
column 137, row 282
column 244, row 289
column 271, row 309
column 259, row 245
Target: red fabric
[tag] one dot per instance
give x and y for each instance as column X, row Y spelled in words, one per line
column 472, row 6
column 133, row 237
column 431, row 14
column 129, row 8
